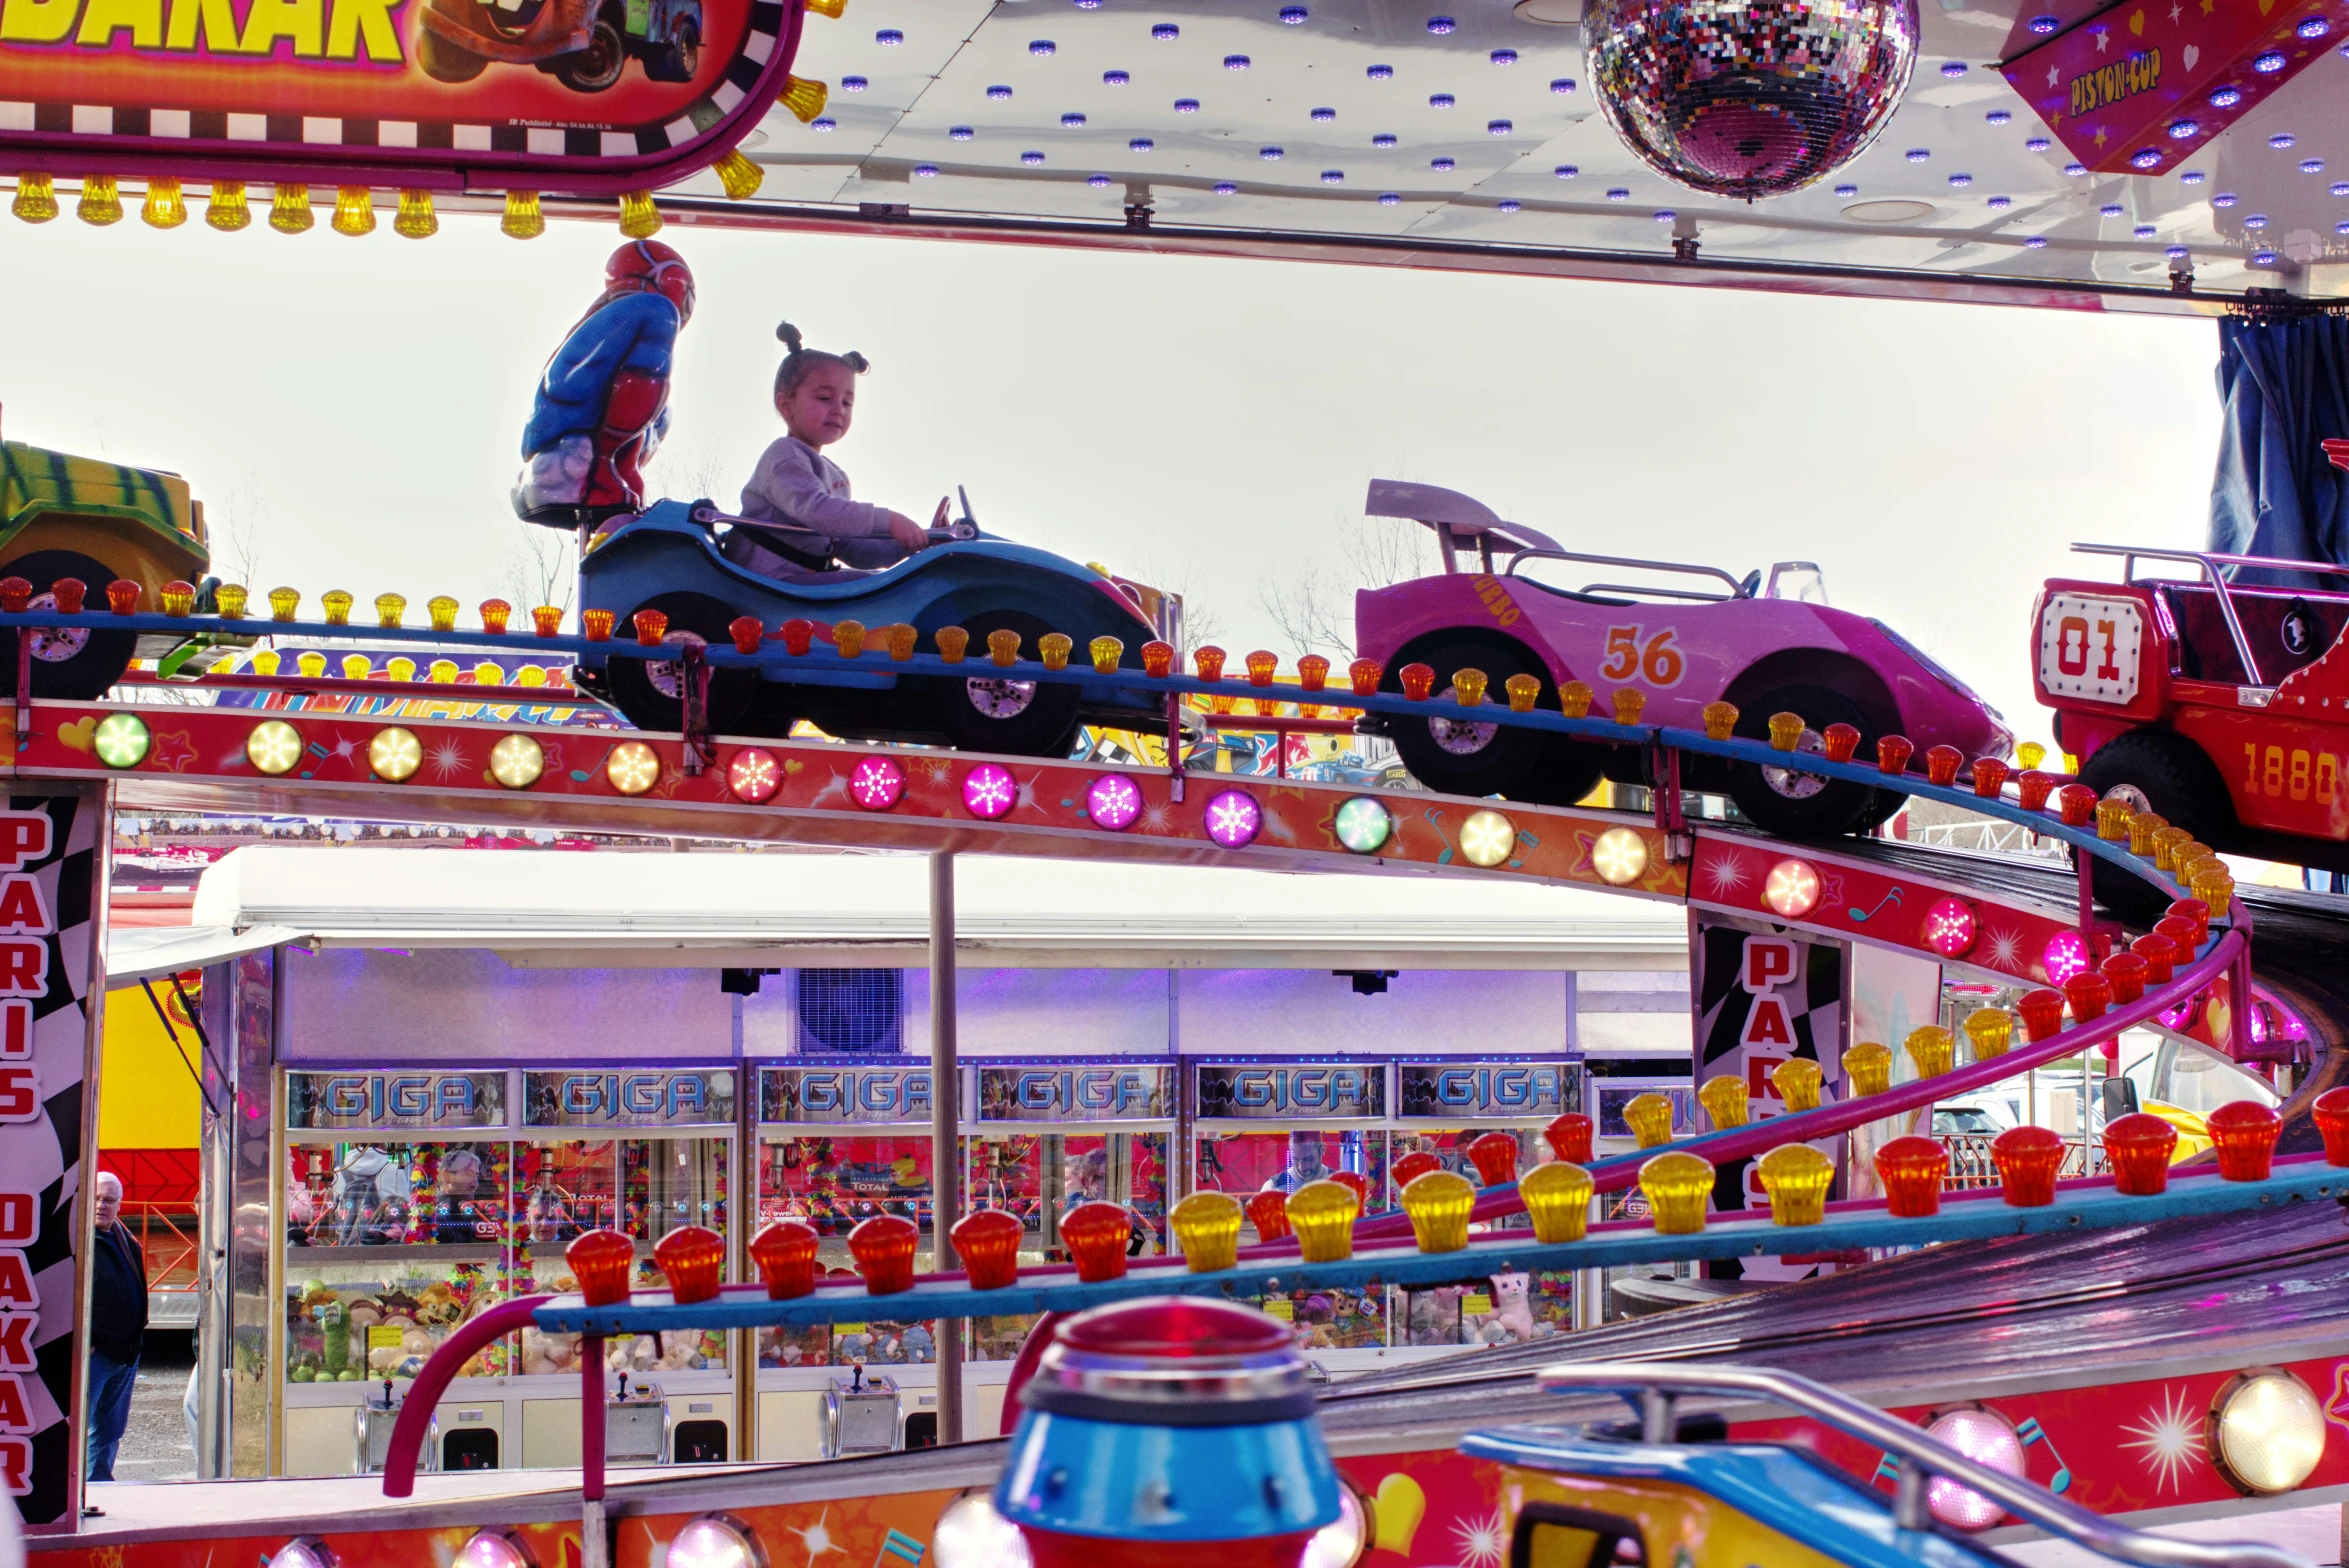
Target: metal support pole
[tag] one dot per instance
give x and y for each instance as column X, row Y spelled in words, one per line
column 945, row 1132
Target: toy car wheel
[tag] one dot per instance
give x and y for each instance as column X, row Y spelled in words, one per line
column 71, row 663
column 651, row 693
column 1014, row 717
column 1786, row 800
column 680, row 59
column 598, row 66
column 1461, row 756
column 2161, row 771
column 444, row 61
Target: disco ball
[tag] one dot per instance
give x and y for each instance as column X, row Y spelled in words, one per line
column 1749, row 98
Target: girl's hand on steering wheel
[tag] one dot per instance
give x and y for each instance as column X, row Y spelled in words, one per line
column 909, row 534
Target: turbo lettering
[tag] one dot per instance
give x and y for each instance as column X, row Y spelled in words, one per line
column 1497, row 602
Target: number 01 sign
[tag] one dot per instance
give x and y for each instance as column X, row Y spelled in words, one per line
column 2088, row 647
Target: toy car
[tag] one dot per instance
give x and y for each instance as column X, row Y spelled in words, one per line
column 97, row 523
column 668, row 559
column 1703, row 635
column 2222, row 706
column 584, row 44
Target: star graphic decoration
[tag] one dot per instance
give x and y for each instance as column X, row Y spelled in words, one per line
column 2003, row 950
column 2169, row 1439
column 448, row 760
column 1484, row 1541
column 817, row 1538
column 2337, row 1407
column 2052, row 74
column 172, row 751
column 1727, row 874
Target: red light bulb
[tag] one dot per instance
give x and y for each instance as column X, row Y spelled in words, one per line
column 602, row 1261
column 2076, row 804
column 122, row 596
column 15, row 594
column 785, row 1254
column 1495, row 1155
column 884, row 1248
column 2184, row 935
column 798, row 636
column 1839, row 741
column 2160, row 955
column 2193, row 909
column 2246, row 1133
column 1269, row 1213
column 692, row 1258
column 69, row 592
column 2138, row 1148
column 1570, row 1137
column 1893, row 753
column 1158, row 659
column 1418, row 680
column 651, row 626
column 1355, row 1183
column 2028, row 1158
column 1911, row 1170
column 2043, row 1013
column 1363, row 675
column 1412, row 1166
column 748, row 631
column 2032, row 788
column 2089, row 993
column 2127, row 971
column 1990, row 776
column 1941, row 765
column 2331, row 1114
column 988, row 1243
column 1097, row 1234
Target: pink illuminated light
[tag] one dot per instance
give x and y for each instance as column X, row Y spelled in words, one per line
column 990, row 791
column 754, row 775
column 1113, row 802
column 877, row 784
column 1986, row 1438
column 1949, row 928
column 1234, row 819
column 1792, row 888
column 2064, row 956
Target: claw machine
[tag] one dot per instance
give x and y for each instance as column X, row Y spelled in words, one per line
column 641, row 1151
column 839, row 1143
column 1274, row 1125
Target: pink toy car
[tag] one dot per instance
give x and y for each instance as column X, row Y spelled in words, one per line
column 1703, row 635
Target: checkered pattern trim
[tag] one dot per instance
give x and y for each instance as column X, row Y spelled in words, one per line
column 114, row 121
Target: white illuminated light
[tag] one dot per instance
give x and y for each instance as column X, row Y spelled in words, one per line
column 492, row 1549
column 971, row 1534
column 1988, row 1439
column 1620, row 856
column 1339, row 1544
column 274, row 747
column 516, row 761
column 2270, row 1432
column 713, row 1541
column 1792, row 888
column 395, row 754
column 1486, row 839
column 633, row 767
column 303, row 1551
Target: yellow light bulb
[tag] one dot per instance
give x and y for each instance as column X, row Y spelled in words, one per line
column 265, row 662
column 2142, row 826
column 1468, row 687
column 389, row 607
column 2030, row 754
column 530, row 675
column 273, row 747
column 1207, row 1229
column 401, row 669
column 1487, row 839
column 1797, row 1080
column 226, row 209
column 516, row 761
column 1786, row 731
column 36, row 198
column 524, row 219
column 488, row 674
column 337, row 605
column 1003, row 647
column 1106, row 651
column 443, row 610
column 395, row 754
column 1677, row 1186
column 899, row 639
column 442, row 672
column 804, row 98
column 848, row 639
column 1054, row 648
column 165, row 207
column 283, row 602
column 1796, row 1176
column 1523, row 690
column 1438, row 1203
column 1557, row 1199
column 1574, row 699
column 2112, row 820
column 229, row 599
column 1989, row 1030
column 1322, row 1214
column 101, row 201
column 1932, row 1048
column 1724, row 1100
column 1867, row 1066
column 312, row 664
column 1620, row 856
column 1720, row 720
column 639, row 218
column 415, row 219
column 741, row 177
column 356, row 666
column 2217, row 889
column 289, row 210
column 1649, row 1116
column 1630, row 703
column 354, row 211
column 633, row 767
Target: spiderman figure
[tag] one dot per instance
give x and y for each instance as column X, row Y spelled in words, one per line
column 602, row 405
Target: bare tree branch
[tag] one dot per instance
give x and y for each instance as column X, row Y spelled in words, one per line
column 542, row 569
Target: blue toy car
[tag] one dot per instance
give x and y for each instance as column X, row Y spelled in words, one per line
column 668, row 559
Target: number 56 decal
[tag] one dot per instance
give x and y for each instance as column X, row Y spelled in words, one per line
column 2088, row 647
column 1632, row 654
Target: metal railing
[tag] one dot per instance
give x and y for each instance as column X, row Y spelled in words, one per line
column 1987, row 837
column 1970, row 1164
column 2210, row 561
column 1654, row 1388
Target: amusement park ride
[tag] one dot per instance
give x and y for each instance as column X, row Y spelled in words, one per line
column 1155, row 1415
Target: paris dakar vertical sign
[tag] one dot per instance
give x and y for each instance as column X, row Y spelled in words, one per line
column 51, row 927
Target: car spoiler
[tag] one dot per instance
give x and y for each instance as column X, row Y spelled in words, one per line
column 1457, row 519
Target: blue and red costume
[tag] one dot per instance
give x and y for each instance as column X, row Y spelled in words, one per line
column 602, row 405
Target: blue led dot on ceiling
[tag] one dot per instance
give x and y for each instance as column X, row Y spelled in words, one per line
column 1097, row 181
column 2037, row 144
column 1440, row 165
column 999, row 92
column 1953, row 68
column 1562, row 84
column 889, row 38
column 823, row 123
column 1380, row 73
column 1070, row 122
column 925, row 171
column 1293, row 15
column 2312, row 166
column 2314, row 27
column 1333, row 176
column 2075, row 170
column 1088, row 5
column 2109, row 210
column 1498, row 127
column 1847, row 192
column 2341, row 228
column 1961, row 181
column 2145, row 158
column 2182, row 130
column 2144, row 231
column 2192, row 177
column 853, row 84
column 2280, row 141
column 1271, row 154
column 1919, row 154
column 2043, row 25
column 2256, row 220
column 1439, row 100
column 1665, row 215
column 1504, row 57
column 1508, row 206
column 2225, row 97
column 1390, row 199
column 1567, row 171
column 2001, row 203
column 1440, row 25
column 2269, row 63
column 1618, row 194
column 1997, row 117
column 2035, row 242
column 1042, row 48
column 960, row 133
column 1235, row 62
column 1114, row 78
column 2341, row 190
column 1382, row 139
column 1166, row 32
column 2177, row 253
column 1186, row 106
column 1324, row 116
column 1140, row 144
column 1031, row 157
column 1226, row 188
column 2263, row 258
column 2224, row 199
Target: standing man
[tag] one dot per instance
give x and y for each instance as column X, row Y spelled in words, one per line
column 118, row 1326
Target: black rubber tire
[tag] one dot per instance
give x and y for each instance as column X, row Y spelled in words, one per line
column 1046, row 727
column 1509, row 762
column 92, row 671
column 444, row 61
column 678, row 59
column 2162, row 771
column 597, row 67
column 632, row 682
column 1882, row 808
column 1836, row 806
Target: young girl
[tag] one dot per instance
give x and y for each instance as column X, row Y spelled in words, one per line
column 815, row 392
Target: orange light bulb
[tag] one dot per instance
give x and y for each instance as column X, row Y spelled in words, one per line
column 1158, row 659
column 1269, row 1213
column 2042, row 1012
column 988, row 1244
column 1412, row 1166
column 1893, row 753
column 1495, row 1157
column 1720, row 720
column 602, row 1261
column 1418, row 681
column 1630, row 703
column 1096, row 1235
column 1208, row 661
column 884, row 1250
column 2138, row 1148
column 785, row 1255
column 1911, row 1170
column 1569, row 1136
column 1839, row 742
column 1942, row 764
column 1364, row 675
column 2245, row 1132
column 2331, row 1115
column 2028, row 1159
column 692, row 1258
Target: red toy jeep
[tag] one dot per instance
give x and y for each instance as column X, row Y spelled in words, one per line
column 2222, row 706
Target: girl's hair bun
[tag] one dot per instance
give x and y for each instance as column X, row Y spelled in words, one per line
column 789, row 336
column 856, row 362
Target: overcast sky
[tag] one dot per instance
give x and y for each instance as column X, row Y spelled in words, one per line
column 351, row 408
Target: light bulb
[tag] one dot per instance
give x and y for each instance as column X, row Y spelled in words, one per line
column 1557, row 1199
column 1207, row 1229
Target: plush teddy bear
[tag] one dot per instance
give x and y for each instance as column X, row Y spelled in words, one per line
column 1512, row 1312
